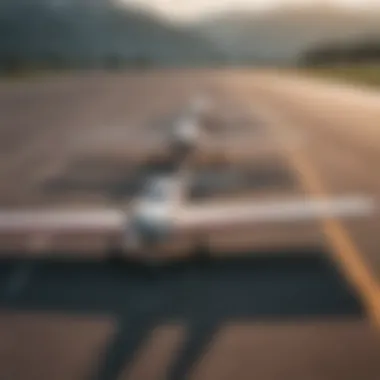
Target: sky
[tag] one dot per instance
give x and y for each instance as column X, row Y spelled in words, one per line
column 192, row 9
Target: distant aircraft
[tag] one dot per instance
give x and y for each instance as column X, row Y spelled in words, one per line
column 189, row 131
column 186, row 132
column 178, row 135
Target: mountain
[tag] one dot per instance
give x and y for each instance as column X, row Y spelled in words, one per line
column 85, row 33
column 282, row 35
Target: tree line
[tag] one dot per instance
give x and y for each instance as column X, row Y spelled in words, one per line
column 363, row 51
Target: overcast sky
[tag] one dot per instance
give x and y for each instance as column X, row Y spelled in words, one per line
column 188, row 9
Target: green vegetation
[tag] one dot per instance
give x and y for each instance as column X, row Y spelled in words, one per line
column 354, row 61
column 361, row 74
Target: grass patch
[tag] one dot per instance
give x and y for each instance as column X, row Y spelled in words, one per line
column 367, row 75
column 32, row 74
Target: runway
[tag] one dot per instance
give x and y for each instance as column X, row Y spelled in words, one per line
column 284, row 300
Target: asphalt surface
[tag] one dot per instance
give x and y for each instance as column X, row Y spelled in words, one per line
column 285, row 301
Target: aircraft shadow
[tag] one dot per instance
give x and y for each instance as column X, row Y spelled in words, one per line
column 200, row 295
column 232, row 180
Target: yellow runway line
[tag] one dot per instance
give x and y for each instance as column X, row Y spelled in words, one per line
column 344, row 249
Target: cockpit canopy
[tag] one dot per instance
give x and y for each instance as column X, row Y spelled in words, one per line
column 160, row 189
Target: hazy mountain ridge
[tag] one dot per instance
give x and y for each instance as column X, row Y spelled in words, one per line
column 81, row 34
